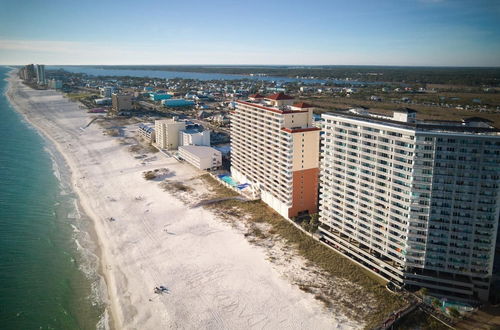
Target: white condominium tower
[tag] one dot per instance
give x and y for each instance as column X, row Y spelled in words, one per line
column 415, row 201
column 275, row 148
column 40, row 74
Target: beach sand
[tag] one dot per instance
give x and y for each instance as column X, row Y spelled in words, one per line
column 215, row 278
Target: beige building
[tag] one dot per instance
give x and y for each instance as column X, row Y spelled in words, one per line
column 417, row 202
column 121, row 102
column 275, row 148
column 167, row 132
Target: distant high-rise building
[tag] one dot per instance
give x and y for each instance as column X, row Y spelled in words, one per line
column 30, row 72
column 121, row 102
column 275, row 148
column 418, row 202
column 106, row 91
column 40, row 74
column 27, row 73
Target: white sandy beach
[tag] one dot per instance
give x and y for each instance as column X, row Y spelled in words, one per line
column 216, row 278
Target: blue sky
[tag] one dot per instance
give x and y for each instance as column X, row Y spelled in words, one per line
column 371, row 32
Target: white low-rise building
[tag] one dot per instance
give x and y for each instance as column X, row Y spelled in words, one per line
column 147, row 132
column 103, row 101
column 201, row 157
column 193, row 137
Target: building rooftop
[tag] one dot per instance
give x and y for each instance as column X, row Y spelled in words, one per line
column 200, row 151
column 192, row 131
column 427, row 125
column 279, row 96
column 264, row 106
column 406, row 110
column 302, row 105
column 146, row 128
column 476, row 119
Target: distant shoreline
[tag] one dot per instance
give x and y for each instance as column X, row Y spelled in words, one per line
column 470, row 76
column 10, row 94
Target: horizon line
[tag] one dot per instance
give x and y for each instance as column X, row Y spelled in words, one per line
column 268, row 65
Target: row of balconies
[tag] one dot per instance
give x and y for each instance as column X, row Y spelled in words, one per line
column 248, row 126
column 260, row 150
column 249, row 121
column 381, row 246
column 262, row 137
column 375, row 196
column 266, row 166
column 258, row 115
column 392, row 228
column 281, row 190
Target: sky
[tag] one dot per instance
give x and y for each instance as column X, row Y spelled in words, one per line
column 318, row 32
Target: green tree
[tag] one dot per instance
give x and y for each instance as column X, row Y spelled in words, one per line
column 314, row 222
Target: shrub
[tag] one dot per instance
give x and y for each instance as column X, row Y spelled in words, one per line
column 453, row 311
column 149, row 175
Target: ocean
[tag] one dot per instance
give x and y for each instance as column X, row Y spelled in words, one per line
column 48, row 258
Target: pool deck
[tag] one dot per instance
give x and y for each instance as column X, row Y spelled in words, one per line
column 247, row 193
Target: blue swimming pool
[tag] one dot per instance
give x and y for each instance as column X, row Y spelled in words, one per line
column 228, row 179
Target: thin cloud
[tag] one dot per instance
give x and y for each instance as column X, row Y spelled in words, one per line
column 73, row 51
column 52, row 46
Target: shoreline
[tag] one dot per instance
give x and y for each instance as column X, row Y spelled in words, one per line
column 96, row 232
column 216, row 278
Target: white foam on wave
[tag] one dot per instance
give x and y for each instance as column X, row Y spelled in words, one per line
column 86, row 258
column 77, row 209
column 89, row 265
column 75, row 229
column 103, row 323
column 55, row 167
column 83, row 253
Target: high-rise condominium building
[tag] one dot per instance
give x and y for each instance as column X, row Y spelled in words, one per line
column 27, row 72
column 275, row 148
column 40, row 74
column 121, row 102
column 167, row 133
column 416, row 202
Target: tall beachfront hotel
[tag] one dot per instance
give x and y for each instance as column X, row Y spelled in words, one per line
column 275, row 148
column 417, row 202
column 40, row 74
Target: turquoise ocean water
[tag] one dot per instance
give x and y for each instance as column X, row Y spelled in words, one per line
column 48, row 263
